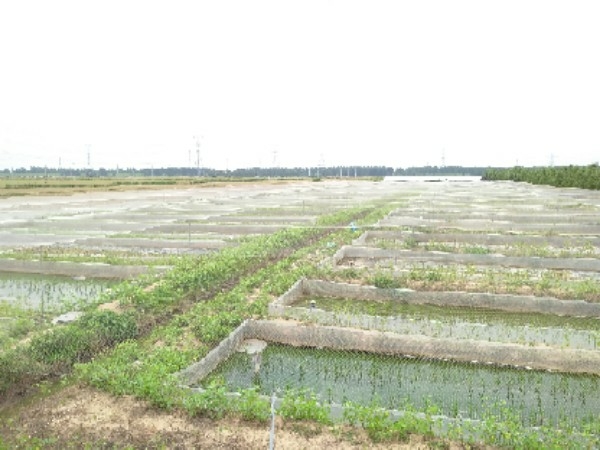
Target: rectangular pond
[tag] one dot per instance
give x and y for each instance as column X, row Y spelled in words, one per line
column 459, row 390
column 459, row 322
column 33, row 291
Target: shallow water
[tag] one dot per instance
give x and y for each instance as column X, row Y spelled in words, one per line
column 458, row 390
column 33, row 291
column 463, row 323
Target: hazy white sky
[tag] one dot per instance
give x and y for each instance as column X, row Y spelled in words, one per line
column 299, row 83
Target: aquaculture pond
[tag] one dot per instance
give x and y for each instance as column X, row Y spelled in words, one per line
column 33, row 291
column 463, row 322
column 517, row 249
column 459, row 390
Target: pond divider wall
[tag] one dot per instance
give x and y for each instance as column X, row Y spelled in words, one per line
column 502, row 302
column 251, row 329
column 491, row 225
column 494, row 216
column 465, row 350
column 220, row 353
column 295, row 333
column 409, row 257
column 265, row 219
column 563, row 242
column 71, row 269
column 222, row 228
column 146, row 243
column 300, row 334
column 349, row 339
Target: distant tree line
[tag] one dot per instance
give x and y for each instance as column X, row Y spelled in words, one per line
column 441, row 170
column 259, row 172
column 585, row 177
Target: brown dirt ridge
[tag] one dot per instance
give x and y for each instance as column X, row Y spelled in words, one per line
column 98, row 420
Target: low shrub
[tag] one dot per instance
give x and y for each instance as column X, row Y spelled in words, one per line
column 252, row 406
column 63, row 346
column 109, row 327
column 303, row 405
column 212, row 402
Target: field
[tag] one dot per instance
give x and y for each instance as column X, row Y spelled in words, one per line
column 484, row 295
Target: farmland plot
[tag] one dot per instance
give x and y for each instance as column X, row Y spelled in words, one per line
column 102, row 238
column 446, row 239
column 454, row 393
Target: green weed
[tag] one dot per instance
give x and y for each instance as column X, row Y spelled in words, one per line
column 303, row 405
column 252, row 406
column 212, row 402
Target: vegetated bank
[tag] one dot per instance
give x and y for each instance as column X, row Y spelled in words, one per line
column 150, row 302
column 165, row 325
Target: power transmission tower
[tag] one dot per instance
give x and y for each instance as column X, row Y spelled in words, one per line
column 198, row 154
column 321, row 166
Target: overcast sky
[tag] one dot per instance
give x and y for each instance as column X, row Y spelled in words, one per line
column 299, row 83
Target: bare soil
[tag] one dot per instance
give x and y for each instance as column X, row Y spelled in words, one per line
column 78, row 416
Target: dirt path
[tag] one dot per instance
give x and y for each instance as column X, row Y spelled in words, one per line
column 76, row 416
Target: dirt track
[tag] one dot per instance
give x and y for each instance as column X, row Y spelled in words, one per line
column 87, row 416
